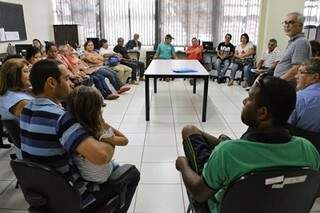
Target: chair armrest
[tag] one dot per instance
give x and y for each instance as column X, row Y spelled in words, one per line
column 116, row 179
column 119, row 172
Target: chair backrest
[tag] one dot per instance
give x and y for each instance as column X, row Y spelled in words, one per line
column 13, row 129
column 43, row 187
column 275, row 190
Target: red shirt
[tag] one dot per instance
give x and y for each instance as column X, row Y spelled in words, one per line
column 194, row 52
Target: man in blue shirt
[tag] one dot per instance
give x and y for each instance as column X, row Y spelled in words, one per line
column 307, row 112
column 45, row 142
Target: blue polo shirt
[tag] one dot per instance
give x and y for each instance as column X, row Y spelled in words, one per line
column 40, row 143
column 306, row 115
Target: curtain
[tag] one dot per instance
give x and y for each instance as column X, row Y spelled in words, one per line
column 123, row 18
column 186, row 19
column 208, row 20
column 312, row 12
column 81, row 12
column 237, row 17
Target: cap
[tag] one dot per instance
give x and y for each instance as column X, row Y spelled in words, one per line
column 169, row 36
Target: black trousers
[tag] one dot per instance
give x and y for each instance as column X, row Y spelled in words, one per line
column 108, row 191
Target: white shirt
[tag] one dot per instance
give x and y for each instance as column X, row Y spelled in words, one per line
column 245, row 49
column 104, row 51
column 270, row 58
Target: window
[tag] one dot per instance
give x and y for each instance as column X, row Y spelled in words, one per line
column 83, row 13
column 237, row 17
column 186, row 19
column 312, row 12
column 123, row 18
column 208, row 20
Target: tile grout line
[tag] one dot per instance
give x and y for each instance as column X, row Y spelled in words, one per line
column 174, row 126
column 142, row 153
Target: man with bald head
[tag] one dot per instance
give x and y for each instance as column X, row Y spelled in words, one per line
column 134, row 42
column 298, row 49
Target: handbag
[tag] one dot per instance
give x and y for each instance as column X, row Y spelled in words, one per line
column 113, row 61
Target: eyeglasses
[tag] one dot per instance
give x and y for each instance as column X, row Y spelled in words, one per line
column 287, row 23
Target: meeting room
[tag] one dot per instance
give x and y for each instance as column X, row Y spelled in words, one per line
column 159, row 106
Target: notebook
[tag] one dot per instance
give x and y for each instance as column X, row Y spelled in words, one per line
column 183, row 70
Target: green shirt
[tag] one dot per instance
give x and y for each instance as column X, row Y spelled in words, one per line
column 165, row 51
column 231, row 159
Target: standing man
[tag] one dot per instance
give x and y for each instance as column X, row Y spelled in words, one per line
column 134, row 42
column 225, row 51
column 298, row 48
column 166, row 50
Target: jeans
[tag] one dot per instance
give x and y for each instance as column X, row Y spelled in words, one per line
column 100, row 84
column 245, row 68
column 112, row 76
column 218, row 64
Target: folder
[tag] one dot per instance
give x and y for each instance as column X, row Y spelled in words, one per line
column 183, row 70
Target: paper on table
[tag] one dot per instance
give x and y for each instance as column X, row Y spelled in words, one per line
column 12, row 36
column 2, row 35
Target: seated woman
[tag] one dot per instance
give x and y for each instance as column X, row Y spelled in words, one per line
column 243, row 59
column 14, row 89
column 123, row 71
column 33, row 55
column 98, row 80
column 95, row 60
column 85, row 106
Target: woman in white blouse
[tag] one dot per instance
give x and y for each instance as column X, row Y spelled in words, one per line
column 243, row 59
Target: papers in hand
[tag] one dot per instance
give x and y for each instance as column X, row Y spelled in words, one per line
column 183, row 70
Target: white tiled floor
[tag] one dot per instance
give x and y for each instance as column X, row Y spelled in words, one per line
column 154, row 146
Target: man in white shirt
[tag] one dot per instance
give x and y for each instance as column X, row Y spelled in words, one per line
column 270, row 58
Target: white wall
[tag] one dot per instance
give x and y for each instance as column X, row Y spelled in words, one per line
column 38, row 17
column 272, row 14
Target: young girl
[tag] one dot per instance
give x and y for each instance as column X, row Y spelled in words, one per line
column 85, row 104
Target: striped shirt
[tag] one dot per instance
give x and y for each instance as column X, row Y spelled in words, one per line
column 40, row 143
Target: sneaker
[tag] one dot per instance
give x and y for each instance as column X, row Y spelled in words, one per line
column 230, row 83
column 134, row 82
column 111, row 97
column 123, row 89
